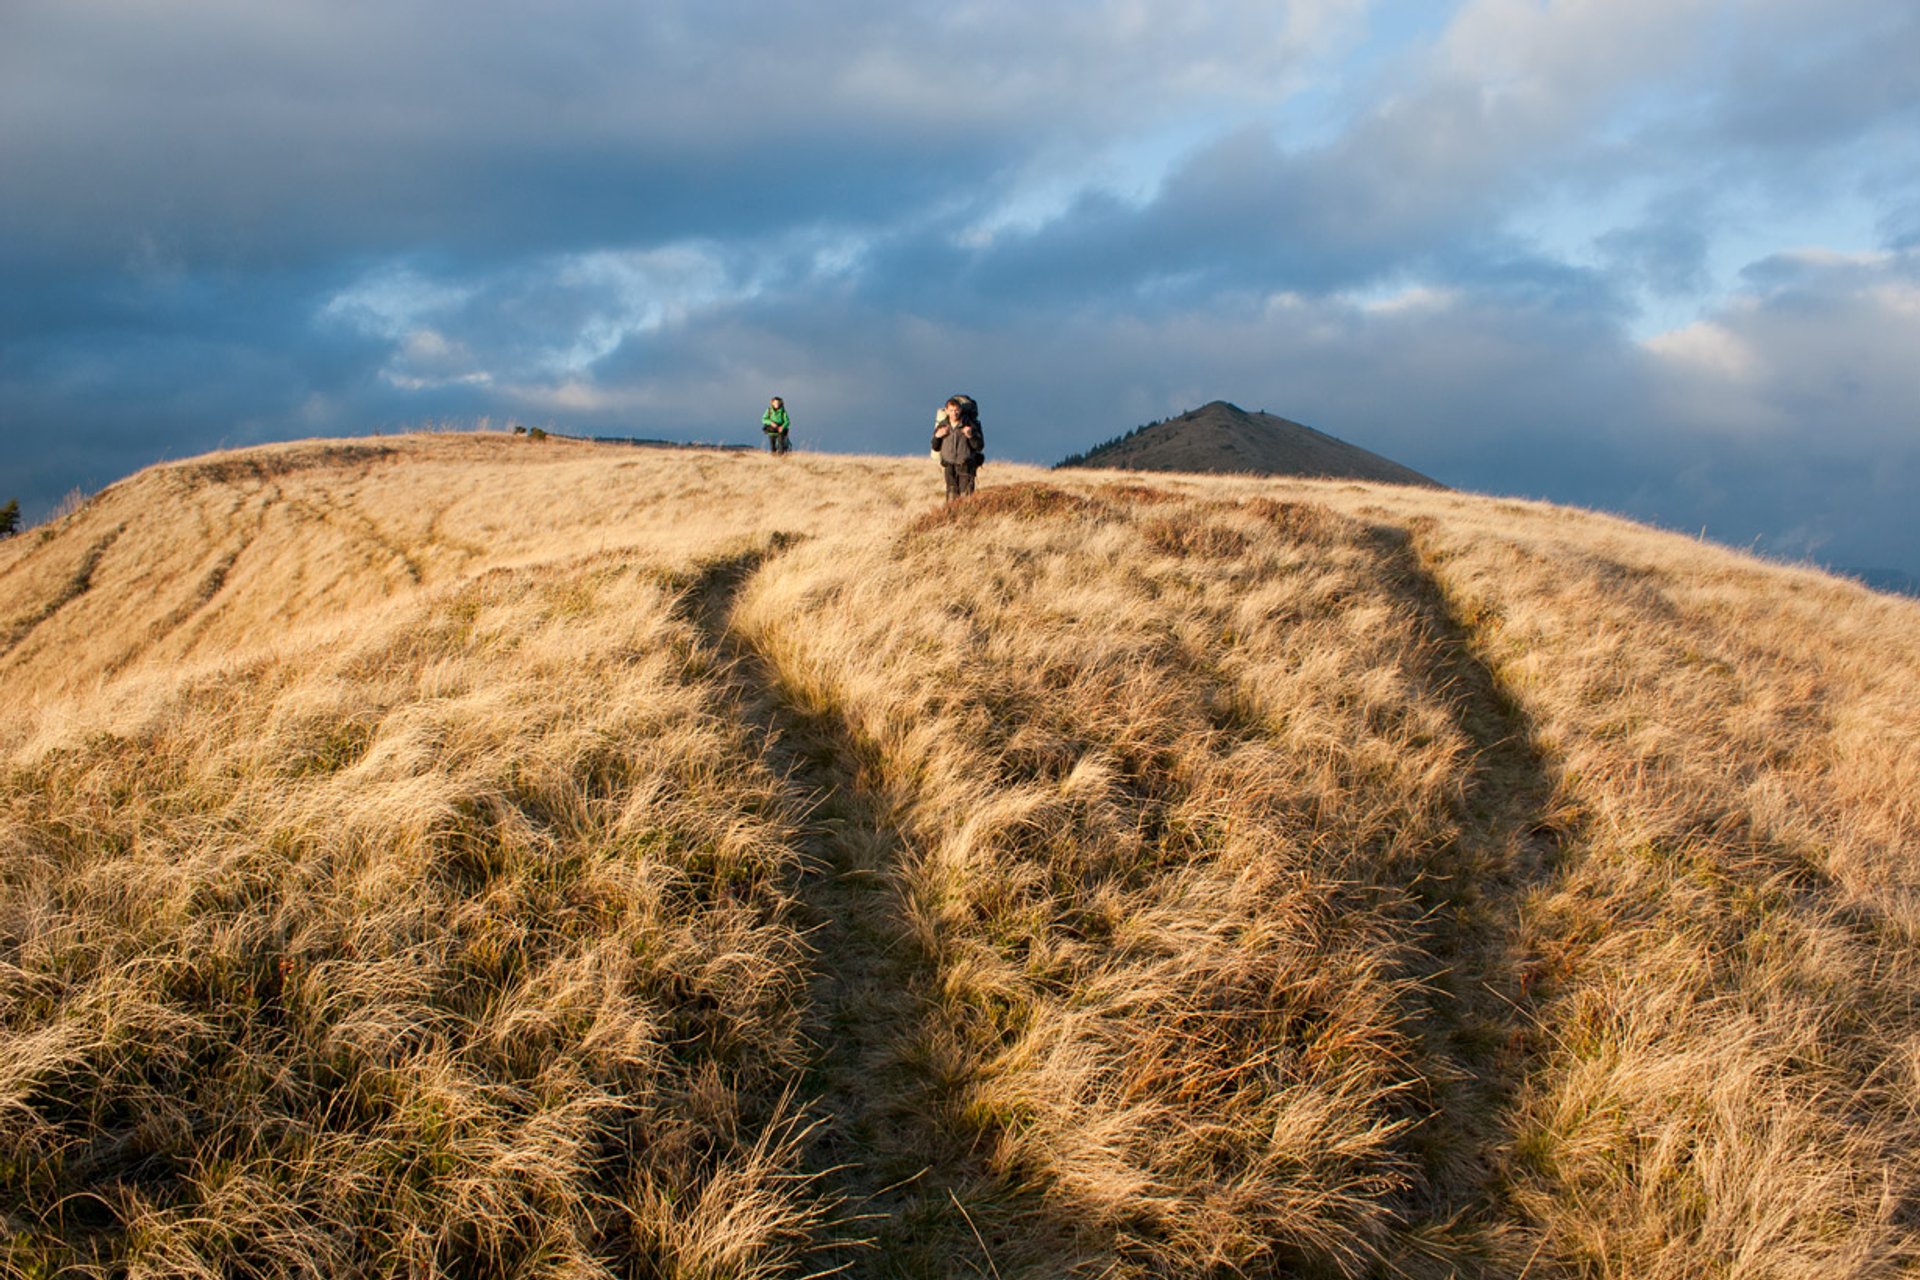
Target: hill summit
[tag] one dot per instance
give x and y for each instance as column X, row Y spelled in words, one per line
column 1224, row 438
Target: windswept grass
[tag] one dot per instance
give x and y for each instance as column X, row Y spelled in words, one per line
column 462, row 948
column 449, row 856
column 1732, row 958
column 1170, row 779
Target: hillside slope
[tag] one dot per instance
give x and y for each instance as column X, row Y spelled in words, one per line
column 1222, row 438
column 461, row 856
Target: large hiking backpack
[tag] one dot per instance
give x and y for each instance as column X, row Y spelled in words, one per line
column 970, row 415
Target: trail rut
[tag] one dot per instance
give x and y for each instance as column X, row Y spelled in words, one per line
column 899, row 1179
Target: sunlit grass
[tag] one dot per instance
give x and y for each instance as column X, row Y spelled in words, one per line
column 466, row 856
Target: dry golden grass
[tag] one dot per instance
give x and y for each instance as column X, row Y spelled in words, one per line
column 469, row 938
column 462, row 856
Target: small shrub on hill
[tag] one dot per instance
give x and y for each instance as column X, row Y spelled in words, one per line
column 1192, row 535
column 1302, row 521
column 1137, row 494
column 70, row 502
column 1028, row 501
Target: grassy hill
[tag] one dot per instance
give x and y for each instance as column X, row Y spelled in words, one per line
column 458, row 856
column 1224, row 439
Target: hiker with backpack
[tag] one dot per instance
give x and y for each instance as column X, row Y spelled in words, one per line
column 959, row 444
column 778, row 428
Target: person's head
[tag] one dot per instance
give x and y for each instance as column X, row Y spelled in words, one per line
column 963, row 409
column 776, row 403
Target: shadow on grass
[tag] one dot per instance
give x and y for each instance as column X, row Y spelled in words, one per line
column 893, row 1149
column 1476, row 1025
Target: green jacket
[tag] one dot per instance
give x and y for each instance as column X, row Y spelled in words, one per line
column 774, row 422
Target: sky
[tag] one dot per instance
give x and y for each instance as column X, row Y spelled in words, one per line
column 1660, row 257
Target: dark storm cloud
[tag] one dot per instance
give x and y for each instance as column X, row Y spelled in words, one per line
column 1238, row 216
column 230, row 129
column 119, row 372
column 191, row 188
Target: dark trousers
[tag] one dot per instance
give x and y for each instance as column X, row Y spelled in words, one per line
column 777, row 442
column 959, row 479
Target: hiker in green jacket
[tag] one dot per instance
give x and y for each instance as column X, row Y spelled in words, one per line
column 774, row 423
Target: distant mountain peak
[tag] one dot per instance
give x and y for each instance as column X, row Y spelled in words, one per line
column 1221, row 437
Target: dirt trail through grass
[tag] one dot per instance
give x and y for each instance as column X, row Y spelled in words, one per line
column 1477, row 1024
column 900, row 1179
column 77, row 585
column 379, row 547
column 195, row 608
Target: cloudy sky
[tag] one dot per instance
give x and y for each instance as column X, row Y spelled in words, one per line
column 1655, row 256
